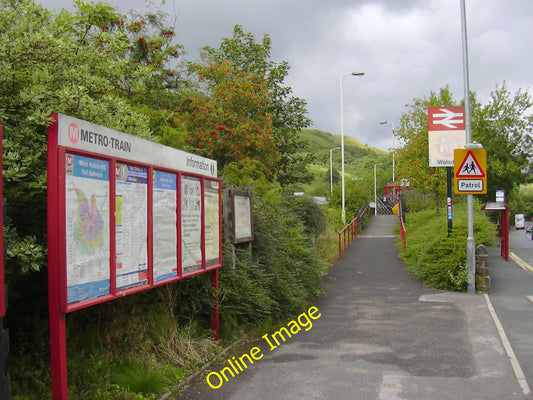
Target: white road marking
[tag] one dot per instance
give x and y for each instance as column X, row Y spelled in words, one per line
column 521, row 263
column 520, row 377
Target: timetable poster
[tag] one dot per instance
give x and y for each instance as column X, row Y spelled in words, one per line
column 243, row 218
column 165, row 233
column 191, row 224
column 212, row 222
column 87, row 227
column 131, row 225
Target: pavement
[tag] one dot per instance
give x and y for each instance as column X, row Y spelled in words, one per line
column 377, row 333
column 512, row 297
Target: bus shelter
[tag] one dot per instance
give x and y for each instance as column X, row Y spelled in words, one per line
column 503, row 226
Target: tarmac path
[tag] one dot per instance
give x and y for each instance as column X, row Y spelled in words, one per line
column 380, row 335
column 512, row 297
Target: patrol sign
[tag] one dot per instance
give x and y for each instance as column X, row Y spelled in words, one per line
column 469, row 171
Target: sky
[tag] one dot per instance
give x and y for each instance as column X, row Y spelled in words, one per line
column 406, row 49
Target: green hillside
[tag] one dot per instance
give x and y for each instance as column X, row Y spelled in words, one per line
column 359, row 161
column 320, row 140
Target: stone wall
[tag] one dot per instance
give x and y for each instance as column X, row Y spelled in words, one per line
column 482, row 270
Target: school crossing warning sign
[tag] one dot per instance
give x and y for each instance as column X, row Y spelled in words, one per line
column 469, row 171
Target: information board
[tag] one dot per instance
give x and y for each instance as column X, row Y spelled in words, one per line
column 242, row 217
column 124, row 215
column 133, row 213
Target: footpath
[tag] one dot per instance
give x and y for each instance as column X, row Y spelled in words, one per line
column 512, row 297
column 376, row 333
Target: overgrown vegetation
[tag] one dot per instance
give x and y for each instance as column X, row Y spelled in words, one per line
column 433, row 257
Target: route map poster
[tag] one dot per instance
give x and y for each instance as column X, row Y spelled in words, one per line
column 165, row 226
column 131, row 225
column 191, row 224
column 211, row 222
column 87, row 227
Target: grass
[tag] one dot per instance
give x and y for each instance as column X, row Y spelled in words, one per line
column 433, row 257
column 139, row 379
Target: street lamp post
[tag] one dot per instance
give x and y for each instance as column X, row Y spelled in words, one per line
column 331, row 168
column 375, row 191
column 342, row 145
column 393, row 150
column 470, row 240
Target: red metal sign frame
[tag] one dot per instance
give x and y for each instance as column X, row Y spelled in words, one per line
column 2, row 282
column 57, row 239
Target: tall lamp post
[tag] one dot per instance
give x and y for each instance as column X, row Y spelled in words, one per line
column 393, row 150
column 331, row 168
column 375, row 190
column 342, row 145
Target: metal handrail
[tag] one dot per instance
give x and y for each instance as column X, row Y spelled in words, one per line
column 349, row 233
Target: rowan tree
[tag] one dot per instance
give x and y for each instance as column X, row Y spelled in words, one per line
column 505, row 129
column 229, row 119
column 288, row 113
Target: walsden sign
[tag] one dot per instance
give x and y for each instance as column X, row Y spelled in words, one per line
column 446, row 132
column 124, row 215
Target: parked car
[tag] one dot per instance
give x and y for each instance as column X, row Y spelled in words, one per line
column 519, row 221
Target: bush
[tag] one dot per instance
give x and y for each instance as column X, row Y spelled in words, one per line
column 280, row 271
column 433, row 257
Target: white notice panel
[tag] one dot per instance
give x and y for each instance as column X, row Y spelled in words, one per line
column 165, row 233
column 191, row 224
column 242, row 211
column 87, row 227
column 211, row 222
column 131, row 225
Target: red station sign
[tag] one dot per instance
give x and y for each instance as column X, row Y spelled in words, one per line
column 446, row 132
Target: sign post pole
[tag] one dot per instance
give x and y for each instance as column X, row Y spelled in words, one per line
column 58, row 345
column 470, row 241
column 449, row 175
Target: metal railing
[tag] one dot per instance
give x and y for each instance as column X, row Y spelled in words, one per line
column 349, row 233
column 401, row 214
column 403, row 233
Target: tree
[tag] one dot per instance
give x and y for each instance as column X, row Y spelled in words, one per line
column 88, row 64
column 288, row 112
column 505, row 130
column 502, row 126
column 229, row 121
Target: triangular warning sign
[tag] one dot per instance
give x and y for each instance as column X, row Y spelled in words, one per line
column 470, row 168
